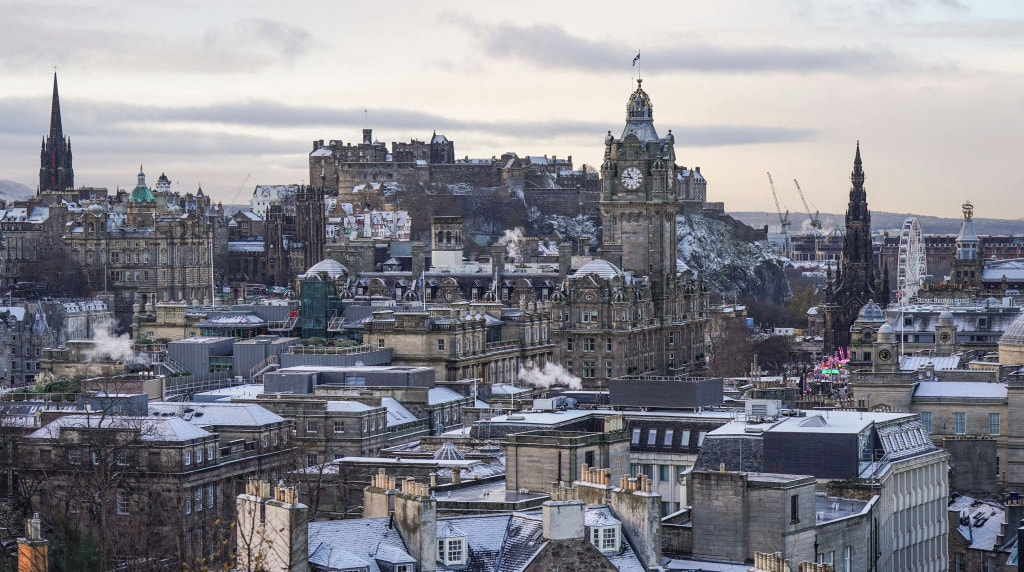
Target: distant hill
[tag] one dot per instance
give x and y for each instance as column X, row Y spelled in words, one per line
column 891, row 221
column 10, row 190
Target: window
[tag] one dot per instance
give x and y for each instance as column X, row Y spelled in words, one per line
column 310, row 426
column 188, row 504
column 187, row 457
column 209, row 495
column 605, row 538
column 589, row 369
column 668, row 437
column 568, row 367
column 568, row 344
column 671, row 338
column 588, row 344
column 122, row 502
column 993, row 423
column 440, row 345
column 684, row 439
column 636, row 436
column 75, row 456
column 664, row 473
column 585, row 317
column 960, row 423
column 451, row 551
column 380, row 343
column 926, row 420
column 339, row 427
column 199, row 456
column 794, row 509
column 652, row 436
column 264, row 440
column 199, row 498
column 608, row 344
column 608, row 371
column 209, row 450
column 311, row 459
column 700, row 438
column 846, row 560
column 121, row 458
column 404, row 568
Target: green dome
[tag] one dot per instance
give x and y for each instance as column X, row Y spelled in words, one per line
column 141, row 193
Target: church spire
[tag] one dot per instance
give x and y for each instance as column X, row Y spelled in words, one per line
column 55, row 170
column 56, row 130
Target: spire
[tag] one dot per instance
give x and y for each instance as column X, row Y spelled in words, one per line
column 56, row 130
column 857, row 176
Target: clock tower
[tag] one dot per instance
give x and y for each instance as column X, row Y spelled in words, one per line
column 639, row 201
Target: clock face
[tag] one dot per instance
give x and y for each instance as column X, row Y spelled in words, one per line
column 944, row 336
column 884, row 355
column 632, row 178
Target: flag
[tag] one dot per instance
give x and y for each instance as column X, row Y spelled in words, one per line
column 637, row 58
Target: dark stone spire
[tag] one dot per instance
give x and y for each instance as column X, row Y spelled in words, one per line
column 55, row 170
column 56, row 130
column 857, row 277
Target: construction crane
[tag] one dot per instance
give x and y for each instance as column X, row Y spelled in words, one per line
column 784, row 222
column 815, row 218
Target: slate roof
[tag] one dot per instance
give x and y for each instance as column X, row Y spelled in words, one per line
column 506, row 542
column 217, row 414
column 170, row 429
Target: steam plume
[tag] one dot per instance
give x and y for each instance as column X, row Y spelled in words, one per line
column 547, row 376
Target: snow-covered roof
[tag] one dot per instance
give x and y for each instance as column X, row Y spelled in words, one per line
column 979, row 522
column 216, row 414
column 961, row 389
column 439, row 395
column 149, row 429
column 397, row 413
column 332, row 267
column 599, row 267
column 944, row 363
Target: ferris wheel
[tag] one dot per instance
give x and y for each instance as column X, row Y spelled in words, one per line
column 913, row 264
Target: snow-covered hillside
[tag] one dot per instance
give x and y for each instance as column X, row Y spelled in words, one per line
column 729, row 266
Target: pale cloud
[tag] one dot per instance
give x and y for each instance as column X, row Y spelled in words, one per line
column 67, row 35
column 549, row 46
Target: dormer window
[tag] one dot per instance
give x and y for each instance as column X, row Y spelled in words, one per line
column 605, row 538
column 452, row 551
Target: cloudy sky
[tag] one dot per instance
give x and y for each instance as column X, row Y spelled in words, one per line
column 231, row 94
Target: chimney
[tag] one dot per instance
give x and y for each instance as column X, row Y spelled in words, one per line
column 416, row 519
column 564, row 259
column 272, row 527
column 639, row 509
column 33, row 551
column 418, row 259
column 563, row 520
column 456, row 475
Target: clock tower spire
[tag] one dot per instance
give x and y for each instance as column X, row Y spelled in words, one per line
column 639, row 200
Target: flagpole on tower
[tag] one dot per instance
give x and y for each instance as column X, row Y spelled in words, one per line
column 636, row 64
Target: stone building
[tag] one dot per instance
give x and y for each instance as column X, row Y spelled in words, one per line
column 295, row 234
column 157, row 485
column 884, row 458
column 147, row 246
column 633, row 311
